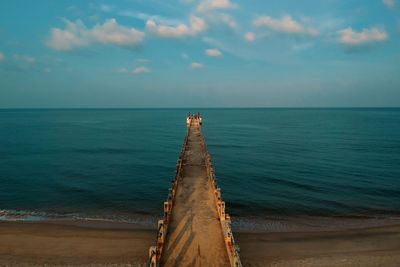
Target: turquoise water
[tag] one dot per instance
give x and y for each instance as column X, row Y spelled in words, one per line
column 117, row 164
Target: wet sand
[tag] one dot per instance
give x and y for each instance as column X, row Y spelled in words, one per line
column 99, row 244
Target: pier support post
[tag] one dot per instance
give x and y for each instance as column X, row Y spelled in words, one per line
column 222, row 215
column 166, row 210
column 153, row 256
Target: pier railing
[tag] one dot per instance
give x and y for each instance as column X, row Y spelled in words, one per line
column 155, row 251
column 232, row 247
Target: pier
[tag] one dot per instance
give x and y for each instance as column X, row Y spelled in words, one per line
column 195, row 230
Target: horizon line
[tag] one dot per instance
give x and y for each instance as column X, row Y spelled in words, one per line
column 121, row 108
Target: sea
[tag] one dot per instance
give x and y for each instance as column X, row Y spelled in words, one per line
column 279, row 169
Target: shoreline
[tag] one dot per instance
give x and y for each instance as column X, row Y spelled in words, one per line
column 256, row 224
column 104, row 243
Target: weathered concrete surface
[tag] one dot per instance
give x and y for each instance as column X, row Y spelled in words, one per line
column 194, row 234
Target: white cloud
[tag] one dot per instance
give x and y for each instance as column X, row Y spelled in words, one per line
column 2, row 57
column 215, row 4
column 389, row 3
column 138, row 70
column 77, row 34
column 250, row 37
column 142, row 60
column 352, row 38
column 111, row 32
column 24, row 58
column 142, row 69
column 284, row 25
column 167, row 31
column 196, row 65
column 197, row 25
column 48, row 70
column 220, row 45
column 218, row 19
column 213, row 52
column 185, row 56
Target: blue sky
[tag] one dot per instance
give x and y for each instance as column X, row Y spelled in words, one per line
column 199, row 53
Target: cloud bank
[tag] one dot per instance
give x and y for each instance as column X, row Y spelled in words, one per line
column 197, row 25
column 78, row 35
column 2, row 57
column 350, row 37
column 284, row 25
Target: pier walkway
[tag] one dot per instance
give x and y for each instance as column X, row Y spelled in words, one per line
column 195, row 230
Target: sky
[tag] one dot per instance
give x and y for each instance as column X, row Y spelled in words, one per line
column 199, row 53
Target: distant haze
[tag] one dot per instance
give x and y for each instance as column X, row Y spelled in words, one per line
column 203, row 53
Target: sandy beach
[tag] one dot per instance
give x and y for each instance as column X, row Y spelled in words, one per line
column 362, row 247
column 84, row 243
column 98, row 243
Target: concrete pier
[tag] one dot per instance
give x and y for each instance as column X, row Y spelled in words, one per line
column 195, row 230
column 194, row 234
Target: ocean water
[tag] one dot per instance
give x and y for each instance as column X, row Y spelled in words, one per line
column 278, row 168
